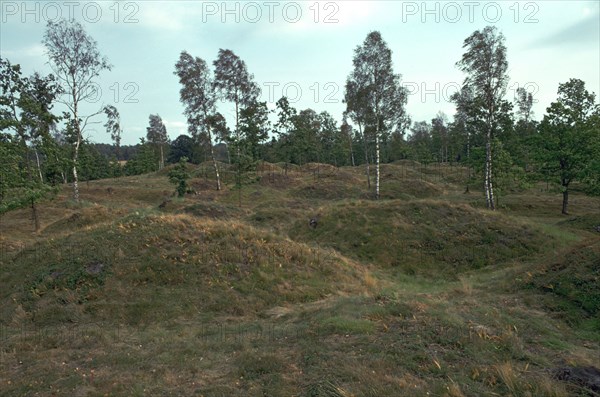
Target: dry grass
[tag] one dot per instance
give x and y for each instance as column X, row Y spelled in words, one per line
column 210, row 297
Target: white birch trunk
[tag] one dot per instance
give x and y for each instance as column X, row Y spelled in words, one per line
column 377, row 165
column 214, row 160
column 37, row 159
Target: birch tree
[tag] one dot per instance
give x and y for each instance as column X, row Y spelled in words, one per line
column 198, row 96
column 113, row 126
column 156, row 134
column 233, row 83
column 485, row 64
column 358, row 110
column 375, row 87
column 74, row 57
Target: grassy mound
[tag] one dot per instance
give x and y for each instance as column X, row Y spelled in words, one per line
column 587, row 222
column 228, row 293
column 571, row 284
column 326, row 189
column 210, row 210
column 424, row 237
column 409, row 188
column 147, row 268
column 85, row 217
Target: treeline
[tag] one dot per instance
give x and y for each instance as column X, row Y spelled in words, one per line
column 498, row 139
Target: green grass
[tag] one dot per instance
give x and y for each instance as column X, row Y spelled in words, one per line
column 571, row 284
column 423, row 293
column 433, row 238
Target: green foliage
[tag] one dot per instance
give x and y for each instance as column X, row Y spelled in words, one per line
column 179, row 176
column 25, row 111
column 145, row 160
column 254, row 128
column 420, row 142
column 10, row 172
column 93, row 165
column 184, row 146
column 569, row 136
column 509, row 176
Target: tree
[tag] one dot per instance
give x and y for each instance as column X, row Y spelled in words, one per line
column 183, row 146
column 76, row 61
column 374, row 86
column 305, row 145
column 346, row 135
column 93, row 165
column 485, row 64
column 524, row 104
column 198, row 96
column 525, row 129
column 233, row 83
column 420, row 141
column 113, row 126
column 156, row 134
column 333, row 140
column 145, row 160
column 179, row 176
column 254, row 128
column 439, row 137
column 358, row 110
column 25, row 109
column 284, row 128
column 569, row 135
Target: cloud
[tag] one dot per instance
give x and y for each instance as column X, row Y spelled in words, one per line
column 582, row 33
column 331, row 14
column 170, row 16
column 175, row 127
column 32, row 51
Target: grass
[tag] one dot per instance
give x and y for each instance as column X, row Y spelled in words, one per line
column 422, row 293
column 424, row 237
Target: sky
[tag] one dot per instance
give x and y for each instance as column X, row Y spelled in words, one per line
column 304, row 49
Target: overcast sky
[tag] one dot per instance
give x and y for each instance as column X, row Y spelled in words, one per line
column 304, row 49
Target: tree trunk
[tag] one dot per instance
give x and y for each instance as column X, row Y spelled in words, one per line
column 37, row 158
column 34, row 213
column 352, row 153
column 162, row 157
column 468, row 161
column 565, row 203
column 377, row 149
column 489, row 189
column 214, row 160
column 377, row 164
column 77, row 143
column 237, row 133
column 75, row 177
column 366, row 155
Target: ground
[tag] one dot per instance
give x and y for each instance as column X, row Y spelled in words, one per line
column 233, row 293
